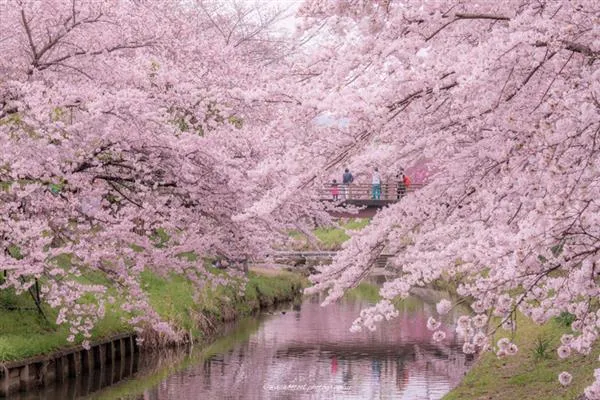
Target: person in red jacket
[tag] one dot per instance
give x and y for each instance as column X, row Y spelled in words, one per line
column 407, row 181
column 335, row 190
column 402, row 184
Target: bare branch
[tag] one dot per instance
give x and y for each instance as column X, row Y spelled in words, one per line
column 459, row 16
column 504, row 86
column 29, row 37
column 93, row 53
column 530, row 75
column 481, row 16
column 552, row 82
column 575, row 47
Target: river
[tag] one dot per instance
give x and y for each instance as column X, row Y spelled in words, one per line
column 302, row 351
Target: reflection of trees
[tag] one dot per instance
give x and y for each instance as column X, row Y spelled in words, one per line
column 313, row 346
column 315, row 324
column 425, row 359
column 307, row 346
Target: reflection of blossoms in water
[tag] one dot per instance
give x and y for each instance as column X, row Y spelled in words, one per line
column 400, row 355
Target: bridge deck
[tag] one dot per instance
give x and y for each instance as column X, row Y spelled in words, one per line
column 362, row 194
column 366, row 202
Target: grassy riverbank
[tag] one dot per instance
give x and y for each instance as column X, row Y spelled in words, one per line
column 25, row 333
column 533, row 372
column 329, row 238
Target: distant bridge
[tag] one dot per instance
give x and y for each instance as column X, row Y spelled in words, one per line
column 301, row 259
column 361, row 195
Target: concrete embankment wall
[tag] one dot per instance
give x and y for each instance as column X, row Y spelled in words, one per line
column 112, row 359
column 112, row 355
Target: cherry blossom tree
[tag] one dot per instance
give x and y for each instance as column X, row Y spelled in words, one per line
column 503, row 98
column 126, row 125
column 123, row 121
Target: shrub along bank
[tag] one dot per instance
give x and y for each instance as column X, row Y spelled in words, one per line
column 24, row 332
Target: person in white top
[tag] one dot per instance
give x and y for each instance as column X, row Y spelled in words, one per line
column 376, row 185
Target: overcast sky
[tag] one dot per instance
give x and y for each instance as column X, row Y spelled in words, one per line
column 289, row 22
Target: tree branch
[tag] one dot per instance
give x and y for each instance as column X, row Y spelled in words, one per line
column 481, row 16
column 575, row 47
column 29, row 37
column 530, row 75
column 48, row 64
column 459, row 16
column 552, row 82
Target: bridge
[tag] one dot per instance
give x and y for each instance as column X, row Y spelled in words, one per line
column 360, row 195
column 283, row 256
column 306, row 260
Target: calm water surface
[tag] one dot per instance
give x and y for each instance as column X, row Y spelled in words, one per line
column 304, row 352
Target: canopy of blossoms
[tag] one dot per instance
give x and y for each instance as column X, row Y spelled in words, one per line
column 122, row 120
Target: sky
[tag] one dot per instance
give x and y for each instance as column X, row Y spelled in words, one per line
column 289, row 21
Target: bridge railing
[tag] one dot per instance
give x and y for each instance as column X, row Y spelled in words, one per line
column 362, row 191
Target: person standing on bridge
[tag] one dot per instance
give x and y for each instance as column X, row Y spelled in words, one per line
column 407, row 181
column 376, row 185
column 347, row 179
column 335, row 191
column 400, row 186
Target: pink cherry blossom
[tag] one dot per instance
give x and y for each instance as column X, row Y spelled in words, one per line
column 438, row 336
column 194, row 123
column 565, row 378
column 564, row 351
column 443, row 307
column 433, row 324
column 510, row 210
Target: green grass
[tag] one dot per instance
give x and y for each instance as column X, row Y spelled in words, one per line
column 532, row 373
column 172, row 298
column 24, row 332
column 265, row 291
column 331, row 238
